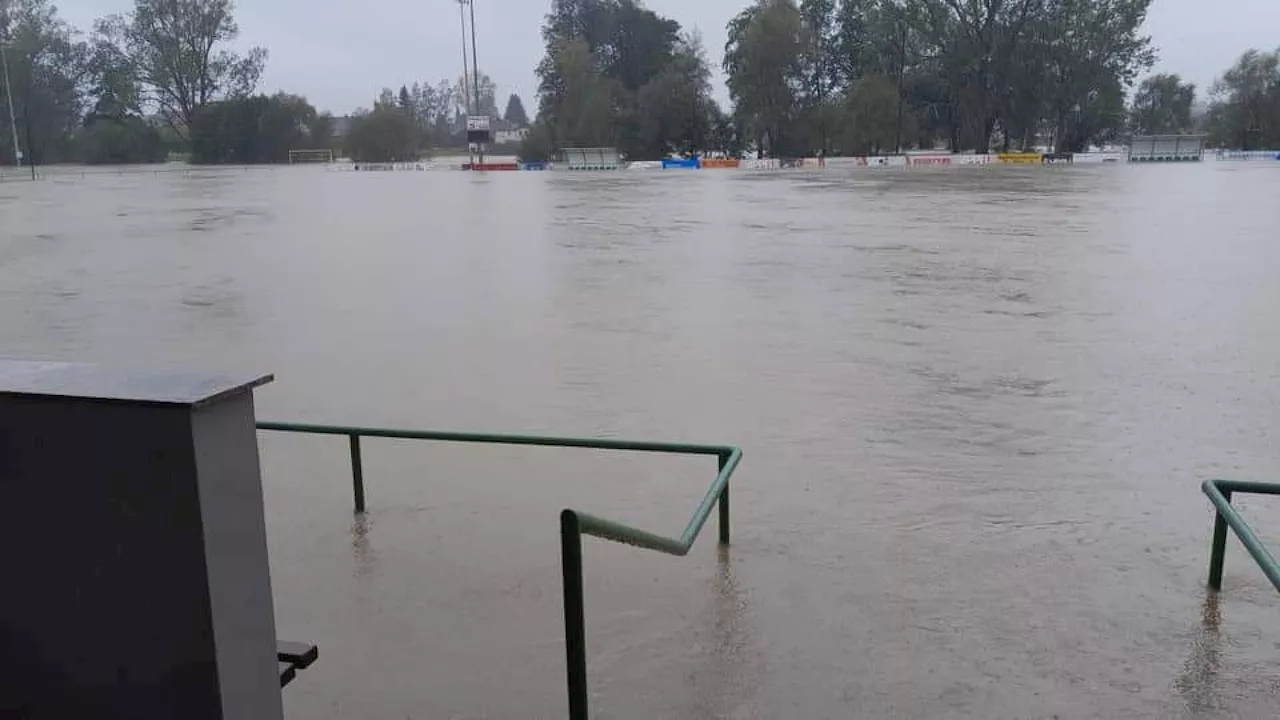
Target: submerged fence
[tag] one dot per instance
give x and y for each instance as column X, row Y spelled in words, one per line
column 1219, row 493
column 573, row 524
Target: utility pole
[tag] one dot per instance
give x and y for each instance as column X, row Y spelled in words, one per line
column 466, row 91
column 13, row 124
column 26, row 122
column 902, row 71
column 475, row 68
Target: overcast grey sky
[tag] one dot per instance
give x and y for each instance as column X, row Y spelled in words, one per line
column 340, row 54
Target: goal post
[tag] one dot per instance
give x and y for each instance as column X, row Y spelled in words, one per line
column 320, row 155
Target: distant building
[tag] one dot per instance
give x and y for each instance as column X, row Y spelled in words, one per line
column 505, row 132
column 503, row 137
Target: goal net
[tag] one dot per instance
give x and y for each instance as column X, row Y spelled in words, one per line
column 310, row 156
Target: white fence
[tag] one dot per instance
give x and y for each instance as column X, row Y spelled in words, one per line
column 1096, row 158
column 1248, row 155
column 1152, row 149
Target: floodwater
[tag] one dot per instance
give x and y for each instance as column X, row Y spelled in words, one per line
column 976, row 406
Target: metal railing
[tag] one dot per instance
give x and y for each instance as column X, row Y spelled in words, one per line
column 1219, row 492
column 573, row 524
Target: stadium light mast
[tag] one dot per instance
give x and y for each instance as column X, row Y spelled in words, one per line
column 466, row 72
column 466, row 80
column 475, row 63
column 475, row 69
column 477, row 121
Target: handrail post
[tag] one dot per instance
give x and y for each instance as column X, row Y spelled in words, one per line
column 575, row 633
column 357, row 473
column 724, row 504
column 1219, row 551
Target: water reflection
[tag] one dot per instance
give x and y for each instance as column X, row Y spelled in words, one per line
column 1199, row 682
column 724, row 681
column 362, row 554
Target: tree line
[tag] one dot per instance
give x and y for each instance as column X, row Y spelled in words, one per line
column 86, row 98
column 874, row 76
column 806, row 77
column 161, row 79
column 403, row 125
column 877, row 75
column 617, row 74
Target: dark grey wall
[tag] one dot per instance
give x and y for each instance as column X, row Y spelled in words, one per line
column 101, row 547
column 134, row 581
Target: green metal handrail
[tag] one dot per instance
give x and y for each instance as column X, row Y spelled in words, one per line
column 1219, row 492
column 573, row 524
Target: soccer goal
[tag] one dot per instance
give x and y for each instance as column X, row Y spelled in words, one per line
column 310, row 156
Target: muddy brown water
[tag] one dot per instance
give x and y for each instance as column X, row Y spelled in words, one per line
column 975, row 404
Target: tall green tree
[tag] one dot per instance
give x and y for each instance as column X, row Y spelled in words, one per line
column 872, row 123
column 1162, row 104
column 113, row 89
column 515, row 113
column 465, row 88
column 639, row 44
column 853, row 39
column 822, row 71
column 255, row 129
column 179, row 50
column 601, row 57
column 895, row 49
column 385, row 134
column 726, row 136
column 764, row 62
column 49, row 71
column 980, row 41
column 579, row 105
column 674, row 109
column 437, row 112
column 404, row 101
column 1093, row 50
column 536, row 146
column 1244, row 112
column 320, row 133
column 119, row 141
column 892, row 40
column 115, row 131
column 975, row 74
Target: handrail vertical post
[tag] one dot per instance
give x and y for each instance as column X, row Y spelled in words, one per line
column 1218, row 554
column 575, row 633
column 724, row 505
column 357, row 473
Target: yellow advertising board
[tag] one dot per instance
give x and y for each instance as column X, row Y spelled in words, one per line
column 1019, row 159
